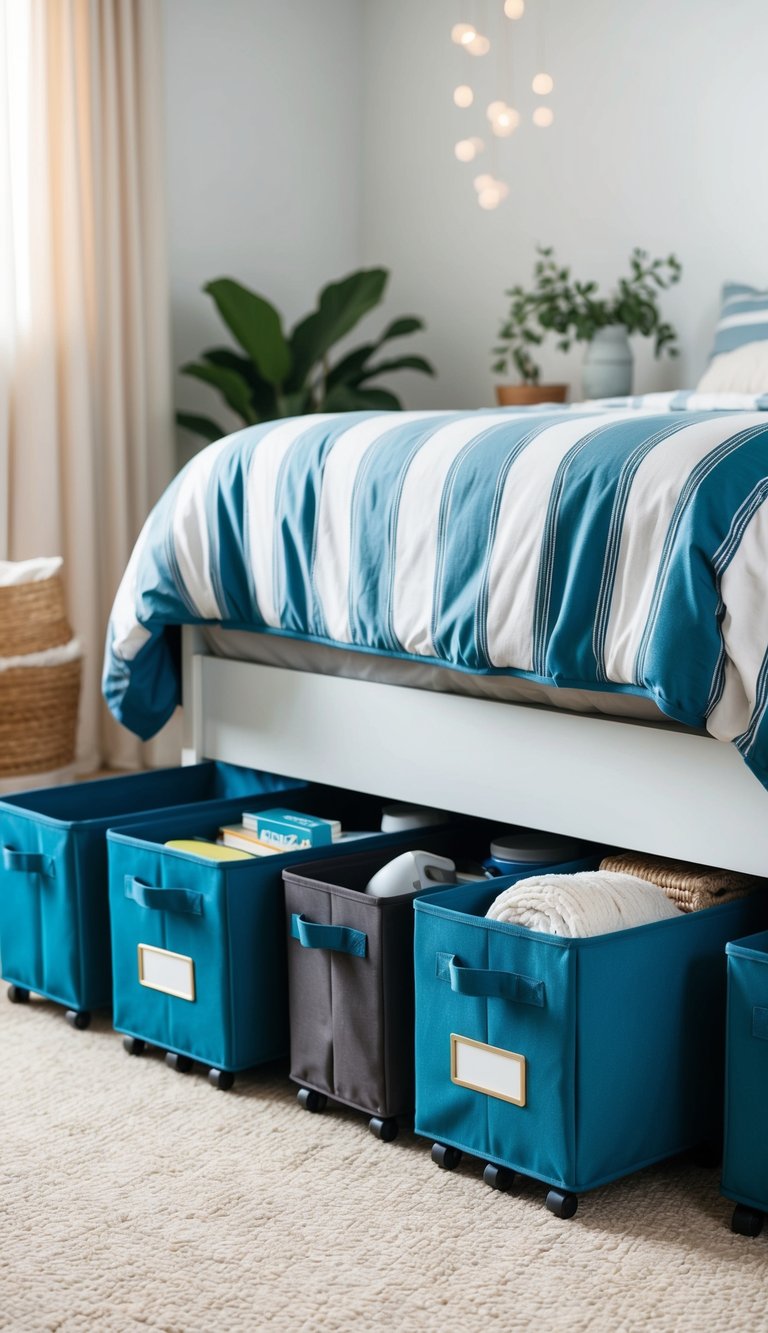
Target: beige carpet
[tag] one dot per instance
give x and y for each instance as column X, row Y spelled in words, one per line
column 137, row 1198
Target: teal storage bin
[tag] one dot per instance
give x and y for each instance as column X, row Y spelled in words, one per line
column 54, row 903
column 574, row 1061
column 745, row 1156
column 216, row 932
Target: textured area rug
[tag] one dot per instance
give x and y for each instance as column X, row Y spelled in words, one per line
column 134, row 1197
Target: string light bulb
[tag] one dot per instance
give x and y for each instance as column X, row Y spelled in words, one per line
column 490, row 197
column 478, row 45
column 483, row 182
column 514, row 9
column 463, row 95
column 463, row 33
column 543, row 117
column 466, row 150
column 494, row 110
column 543, row 84
column 506, row 122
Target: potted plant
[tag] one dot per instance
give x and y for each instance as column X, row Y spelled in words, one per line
column 273, row 374
column 576, row 312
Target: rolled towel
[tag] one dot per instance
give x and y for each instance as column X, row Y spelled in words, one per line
column 592, row 902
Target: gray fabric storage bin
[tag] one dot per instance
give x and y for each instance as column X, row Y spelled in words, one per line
column 351, row 994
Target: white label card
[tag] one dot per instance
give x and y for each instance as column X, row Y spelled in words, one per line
column 172, row 973
column 488, row 1069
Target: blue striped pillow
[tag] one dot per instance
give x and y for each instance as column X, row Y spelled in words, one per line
column 743, row 318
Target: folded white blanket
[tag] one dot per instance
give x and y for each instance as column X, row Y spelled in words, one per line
column 593, row 902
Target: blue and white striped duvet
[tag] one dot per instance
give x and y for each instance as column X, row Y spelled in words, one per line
column 616, row 546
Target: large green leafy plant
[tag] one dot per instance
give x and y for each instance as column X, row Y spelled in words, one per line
column 274, row 374
column 575, row 311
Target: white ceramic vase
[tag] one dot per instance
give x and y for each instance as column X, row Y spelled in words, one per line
column 607, row 369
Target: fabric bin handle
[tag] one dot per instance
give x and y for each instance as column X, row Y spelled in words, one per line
column 315, row 935
column 484, row 982
column 185, row 902
column 33, row 863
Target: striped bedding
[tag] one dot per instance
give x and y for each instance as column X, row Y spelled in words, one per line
column 617, row 546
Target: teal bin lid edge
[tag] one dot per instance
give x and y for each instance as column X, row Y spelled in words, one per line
column 751, row 946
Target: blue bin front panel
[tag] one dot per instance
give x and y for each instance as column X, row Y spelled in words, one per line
column 745, row 1157
column 537, row 1137
column 49, row 915
column 54, row 921
column 239, row 1017
column 623, row 1057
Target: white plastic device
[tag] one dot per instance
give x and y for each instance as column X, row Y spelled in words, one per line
column 400, row 818
column 411, row 871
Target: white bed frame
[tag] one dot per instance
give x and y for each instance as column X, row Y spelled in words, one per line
column 632, row 784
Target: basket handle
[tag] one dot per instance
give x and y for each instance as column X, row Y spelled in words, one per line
column 340, row 939
column 32, row 863
column 185, row 902
column 484, row 982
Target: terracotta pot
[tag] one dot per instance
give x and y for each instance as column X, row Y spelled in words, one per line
column 526, row 395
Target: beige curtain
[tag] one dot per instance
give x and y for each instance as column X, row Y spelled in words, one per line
column 85, row 407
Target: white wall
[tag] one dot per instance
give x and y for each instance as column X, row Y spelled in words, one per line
column 263, row 135
column 659, row 140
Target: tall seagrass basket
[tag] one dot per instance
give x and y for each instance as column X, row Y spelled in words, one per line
column 40, row 672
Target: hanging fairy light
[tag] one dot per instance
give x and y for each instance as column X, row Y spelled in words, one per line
column 478, row 46
column 463, row 96
column 542, row 84
column 501, row 113
column 466, row 150
column 463, row 33
column 505, row 122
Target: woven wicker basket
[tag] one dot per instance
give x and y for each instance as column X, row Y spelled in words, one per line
column 33, row 617
column 38, row 718
column 692, row 888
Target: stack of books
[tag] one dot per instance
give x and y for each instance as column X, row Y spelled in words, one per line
column 268, row 833
column 275, row 832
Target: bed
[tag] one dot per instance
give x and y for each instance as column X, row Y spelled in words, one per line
column 403, row 599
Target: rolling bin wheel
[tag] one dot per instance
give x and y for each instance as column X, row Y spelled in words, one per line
column 181, row 1063
column 746, row 1221
column 18, row 995
column 446, row 1158
column 562, row 1204
column 222, row 1079
column 134, row 1045
column 311, row 1100
column 498, row 1177
column 78, row 1018
column 385, row 1129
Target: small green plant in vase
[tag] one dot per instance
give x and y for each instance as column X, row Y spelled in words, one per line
column 575, row 311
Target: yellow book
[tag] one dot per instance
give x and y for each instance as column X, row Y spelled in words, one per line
column 212, row 850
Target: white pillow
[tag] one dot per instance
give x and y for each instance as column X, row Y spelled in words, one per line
column 744, row 370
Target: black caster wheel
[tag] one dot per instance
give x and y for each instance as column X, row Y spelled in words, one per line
column 181, row 1063
column 447, row 1158
column 746, row 1221
column 78, row 1018
column 311, row 1100
column 498, row 1177
column 562, row 1204
column 221, row 1079
column 18, row 995
column 134, row 1045
column 386, row 1129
